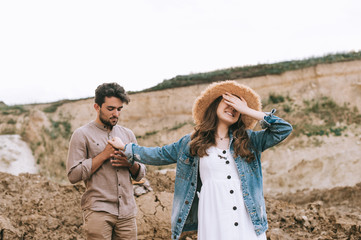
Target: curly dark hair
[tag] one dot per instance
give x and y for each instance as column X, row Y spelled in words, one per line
column 110, row 90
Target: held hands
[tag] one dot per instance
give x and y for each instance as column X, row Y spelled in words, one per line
column 117, row 143
column 119, row 160
column 108, row 151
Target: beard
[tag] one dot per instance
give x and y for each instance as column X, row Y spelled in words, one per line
column 108, row 122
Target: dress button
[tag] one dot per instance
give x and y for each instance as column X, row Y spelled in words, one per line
column 236, row 224
column 179, row 220
column 224, row 152
column 229, row 176
column 227, row 162
column 231, row 192
column 234, row 208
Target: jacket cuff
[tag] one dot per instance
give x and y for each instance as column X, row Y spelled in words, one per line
column 128, row 152
column 268, row 119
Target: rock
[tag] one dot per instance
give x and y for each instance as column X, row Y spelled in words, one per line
column 8, row 232
column 142, row 188
column 277, row 234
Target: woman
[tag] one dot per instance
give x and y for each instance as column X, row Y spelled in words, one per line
column 225, row 200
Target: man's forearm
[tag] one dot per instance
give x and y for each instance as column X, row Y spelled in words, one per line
column 134, row 170
column 98, row 161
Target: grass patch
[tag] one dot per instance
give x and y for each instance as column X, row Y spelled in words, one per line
column 59, row 128
column 178, row 125
column 11, row 121
column 8, row 131
column 330, row 112
column 13, row 110
column 274, row 98
column 287, row 108
column 147, row 134
column 53, row 107
column 315, row 117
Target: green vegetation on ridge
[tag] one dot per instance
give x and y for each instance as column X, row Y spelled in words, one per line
column 316, row 117
column 252, row 71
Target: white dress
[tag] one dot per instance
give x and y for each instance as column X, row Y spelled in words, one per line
column 221, row 212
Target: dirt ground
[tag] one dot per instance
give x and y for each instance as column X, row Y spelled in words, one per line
column 32, row 207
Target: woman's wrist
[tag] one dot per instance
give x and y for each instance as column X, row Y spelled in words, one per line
column 258, row 115
column 125, row 146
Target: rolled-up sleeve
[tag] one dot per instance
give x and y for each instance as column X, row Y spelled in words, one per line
column 78, row 165
column 142, row 168
column 141, row 173
column 275, row 131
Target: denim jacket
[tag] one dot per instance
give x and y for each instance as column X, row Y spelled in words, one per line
column 187, row 181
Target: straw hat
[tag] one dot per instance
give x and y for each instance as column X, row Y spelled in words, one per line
column 213, row 91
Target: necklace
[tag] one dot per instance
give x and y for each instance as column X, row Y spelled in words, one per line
column 222, row 138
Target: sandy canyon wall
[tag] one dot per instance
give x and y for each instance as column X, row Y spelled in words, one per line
column 162, row 117
column 156, row 110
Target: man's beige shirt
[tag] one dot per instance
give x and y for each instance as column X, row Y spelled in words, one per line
column 110, row 188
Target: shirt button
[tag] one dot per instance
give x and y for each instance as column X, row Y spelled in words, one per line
column 192, row 184
column 227, row 162
column 231, row 192
column 179, row 220
column 236, row 224
column 229, row 176
column 224, row 151
column 234, row 208
column 186, row 202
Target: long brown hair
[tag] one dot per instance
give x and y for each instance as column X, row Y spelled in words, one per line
column 204, row 135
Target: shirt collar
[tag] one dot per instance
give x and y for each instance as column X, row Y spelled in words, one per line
column 100, row 126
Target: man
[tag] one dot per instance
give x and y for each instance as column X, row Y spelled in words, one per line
column 108, row 203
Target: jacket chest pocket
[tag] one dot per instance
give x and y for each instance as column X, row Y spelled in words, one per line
column 184, row 167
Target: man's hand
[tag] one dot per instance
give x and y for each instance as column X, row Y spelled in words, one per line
column 108, row 151
column 98, row 160
column 118, row 159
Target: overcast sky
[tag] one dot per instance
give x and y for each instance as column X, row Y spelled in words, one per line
column 53, row 50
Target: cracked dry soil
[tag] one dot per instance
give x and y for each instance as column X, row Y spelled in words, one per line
column 32, row 207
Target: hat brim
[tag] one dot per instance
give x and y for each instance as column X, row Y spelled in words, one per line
column 215, row 90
